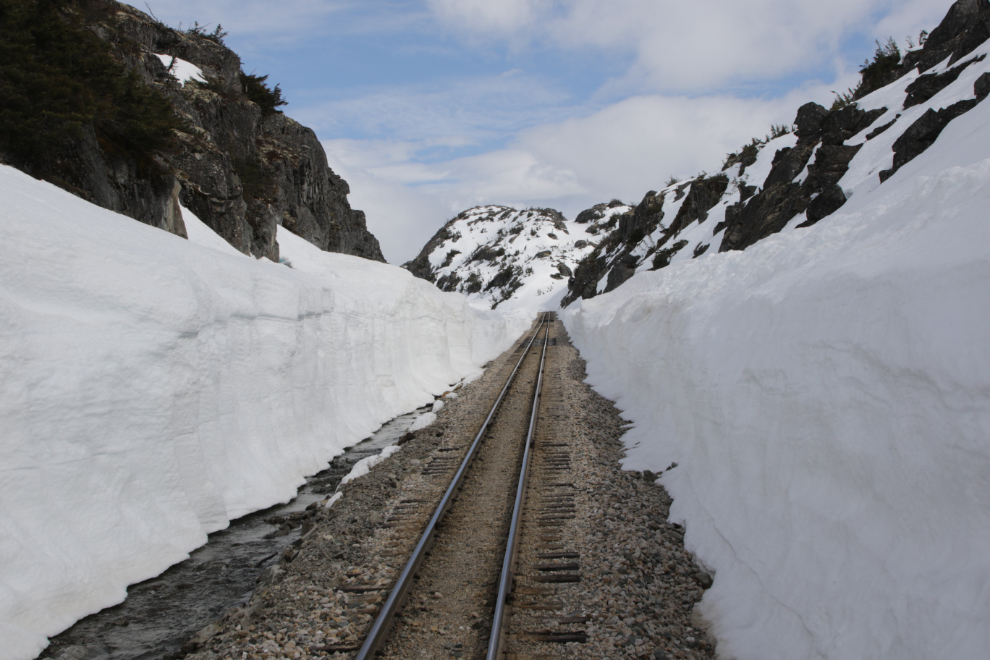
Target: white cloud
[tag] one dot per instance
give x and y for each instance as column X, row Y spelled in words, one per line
column 487, row 15
column 682, row 46
column 458, row 112
column 401, row 217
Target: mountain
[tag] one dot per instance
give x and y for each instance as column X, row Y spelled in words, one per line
column 142, row 119
column 501, row 257
column 799, row 175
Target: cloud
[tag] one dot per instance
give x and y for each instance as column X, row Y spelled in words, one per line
column 484, row 15
column 693, row 47
column 457, row 112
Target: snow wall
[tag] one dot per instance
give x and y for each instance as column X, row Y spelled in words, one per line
column 826, row 394
column 154, row 389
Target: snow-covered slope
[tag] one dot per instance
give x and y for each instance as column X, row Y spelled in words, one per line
column 500, row 257
column 153, row 389
column 826, row 396
column 798, row 178
column 681, row 221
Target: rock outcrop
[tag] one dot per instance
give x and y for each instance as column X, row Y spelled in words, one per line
column 820, row 134
column 241, row 168
column 640, row 235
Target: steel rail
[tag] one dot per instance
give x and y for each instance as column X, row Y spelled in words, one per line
column 380, row 628
column 495, row 642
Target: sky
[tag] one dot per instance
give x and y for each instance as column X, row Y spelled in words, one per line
column 429, row 107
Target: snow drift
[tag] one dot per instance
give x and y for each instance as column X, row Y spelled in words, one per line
column 826, row 394
column 154, row 389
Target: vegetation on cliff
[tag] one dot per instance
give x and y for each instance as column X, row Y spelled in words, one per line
column 58, row 78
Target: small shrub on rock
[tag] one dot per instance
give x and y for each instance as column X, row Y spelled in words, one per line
column 886, row 60
column 268, row 99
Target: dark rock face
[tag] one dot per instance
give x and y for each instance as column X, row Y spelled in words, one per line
column 923, row 132
column 140, row 186
column 241, row 170
column 704, row 194
column 826, row 203
column 821, row 133
column 965, row 26
column 930, row 84
column 880, row 129
column 958, row 19
column 420, row 266
column 613, row 256
column 765, row 214
column 596, row 212
column 141, row 189
column 982, row 86
column 842, row 124
column 809, row 120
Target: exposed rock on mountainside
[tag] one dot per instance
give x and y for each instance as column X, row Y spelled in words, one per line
column 497, row 255
column 615, row 258
column 762, row 191
column 236, row 161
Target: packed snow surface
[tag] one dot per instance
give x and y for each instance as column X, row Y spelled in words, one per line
column 182, row 70
column 826, row 396
column 154, row 389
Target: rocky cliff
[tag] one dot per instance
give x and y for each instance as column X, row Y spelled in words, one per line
column 234, row 160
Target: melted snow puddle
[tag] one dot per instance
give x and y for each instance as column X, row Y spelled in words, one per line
column 163, row 612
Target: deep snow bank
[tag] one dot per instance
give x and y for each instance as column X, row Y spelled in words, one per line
column 826, row 394
column 154, row 389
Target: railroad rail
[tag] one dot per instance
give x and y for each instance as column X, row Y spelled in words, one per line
column 497, row 640
column 403, row 585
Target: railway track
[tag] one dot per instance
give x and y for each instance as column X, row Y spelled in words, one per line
column 594, row 570
column 491, row 546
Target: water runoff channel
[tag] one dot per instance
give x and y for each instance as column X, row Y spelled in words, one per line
column 160, row 614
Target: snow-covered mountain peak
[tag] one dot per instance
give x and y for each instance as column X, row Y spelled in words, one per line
column 502, row 257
